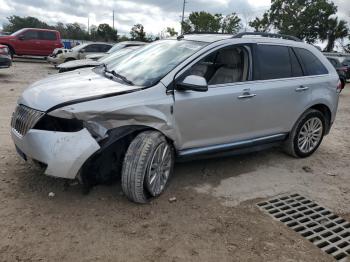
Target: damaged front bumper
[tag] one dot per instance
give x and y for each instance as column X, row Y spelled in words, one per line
column 64, row 153
column 54, row 60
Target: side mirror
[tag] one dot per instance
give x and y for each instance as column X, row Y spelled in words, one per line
column 21, row 37
column 82, row 50
column 193, row 83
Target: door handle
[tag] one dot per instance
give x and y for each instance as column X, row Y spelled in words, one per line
column 302, row 88
column 245, row 96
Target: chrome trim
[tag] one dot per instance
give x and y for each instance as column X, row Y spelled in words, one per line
column 25, row 118
column 232, row 146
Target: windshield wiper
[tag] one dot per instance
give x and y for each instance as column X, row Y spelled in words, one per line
column 114, row 73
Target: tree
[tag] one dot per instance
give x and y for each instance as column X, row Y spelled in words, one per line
column 261, row 25
column 205, row 22
column 107, row 33
column 171, row 31
column 231, row 24
column 336, row 30
column 305, row 19
column 74, row 31
column 186, row 27
column 16, row 23
column 138, row 33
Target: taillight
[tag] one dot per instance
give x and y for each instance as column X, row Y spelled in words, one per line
column 339, row 86
column 3, row 51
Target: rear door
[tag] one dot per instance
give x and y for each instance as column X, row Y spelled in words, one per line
column 280, row 88
column 48, row 42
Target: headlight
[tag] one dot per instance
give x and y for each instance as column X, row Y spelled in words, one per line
column 51, row 123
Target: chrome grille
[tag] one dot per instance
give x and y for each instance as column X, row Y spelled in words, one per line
column 24, row 118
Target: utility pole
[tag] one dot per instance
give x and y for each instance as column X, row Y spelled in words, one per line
column 183, row 16
column 113, row 18
column 88, row 25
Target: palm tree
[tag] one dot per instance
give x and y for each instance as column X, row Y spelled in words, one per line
column 336, row 30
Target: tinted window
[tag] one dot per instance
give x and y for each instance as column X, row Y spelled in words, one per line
column 296, row 67
column 28, row 35
column 92, row 48
column 47, row 35
column 274, row 62
column 312, row 65
column 104, row 48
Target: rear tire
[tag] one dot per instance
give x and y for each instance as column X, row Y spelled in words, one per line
column 306, row 135
column 147, row 167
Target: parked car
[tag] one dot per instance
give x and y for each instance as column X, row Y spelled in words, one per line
column 341, row 69
column 32, row 42
column 62, row 55
column 115, row 48
column 343, row 58
column 5, row 57
column 346, row 63
column 185, row 97
column 83, row 63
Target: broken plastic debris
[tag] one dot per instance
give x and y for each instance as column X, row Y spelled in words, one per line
column 172, row 199
column 52, row 194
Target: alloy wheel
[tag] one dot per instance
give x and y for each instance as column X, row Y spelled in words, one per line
column 159, row 169
column 310, row 135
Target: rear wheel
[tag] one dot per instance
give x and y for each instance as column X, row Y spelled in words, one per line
column 147, row 167
column 307, row 134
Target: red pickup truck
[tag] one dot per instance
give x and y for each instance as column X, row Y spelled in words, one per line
column 32, row 41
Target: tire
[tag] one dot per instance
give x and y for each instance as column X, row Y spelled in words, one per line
column 139, row 165
column 292, row 147
column 11, row 53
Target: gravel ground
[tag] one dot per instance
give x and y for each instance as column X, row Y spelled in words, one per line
column 213, row 219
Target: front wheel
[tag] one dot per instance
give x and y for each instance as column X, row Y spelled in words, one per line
column 147, row 166
column 307, row 134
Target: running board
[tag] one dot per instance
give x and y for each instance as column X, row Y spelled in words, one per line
column 231, row 146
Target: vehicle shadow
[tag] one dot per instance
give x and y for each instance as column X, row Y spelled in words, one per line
column 193, row 173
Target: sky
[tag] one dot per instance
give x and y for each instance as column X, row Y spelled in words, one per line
column 155, row 15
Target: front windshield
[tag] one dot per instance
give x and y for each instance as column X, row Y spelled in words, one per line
column 77, row 47
column 18, row 32
column 115, row 55
column 115, row 48
column 145, row 67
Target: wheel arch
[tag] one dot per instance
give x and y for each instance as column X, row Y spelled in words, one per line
column 325, row 110
column 104, row 166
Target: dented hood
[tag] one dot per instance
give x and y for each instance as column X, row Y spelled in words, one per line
column 69, row 88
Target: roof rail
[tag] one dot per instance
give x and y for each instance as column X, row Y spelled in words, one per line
column 264, row 34
column 205, row 33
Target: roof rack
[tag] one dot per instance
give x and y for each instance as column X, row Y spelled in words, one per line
column 264, row 34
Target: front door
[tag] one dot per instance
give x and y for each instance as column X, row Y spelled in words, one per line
column 226, row 112
column 28, row 43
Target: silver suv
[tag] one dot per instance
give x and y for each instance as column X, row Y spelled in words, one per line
column 185, row 97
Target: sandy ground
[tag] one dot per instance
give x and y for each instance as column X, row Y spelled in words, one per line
column 213, row 219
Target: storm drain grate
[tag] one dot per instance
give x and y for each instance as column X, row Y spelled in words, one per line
column 319, row 225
